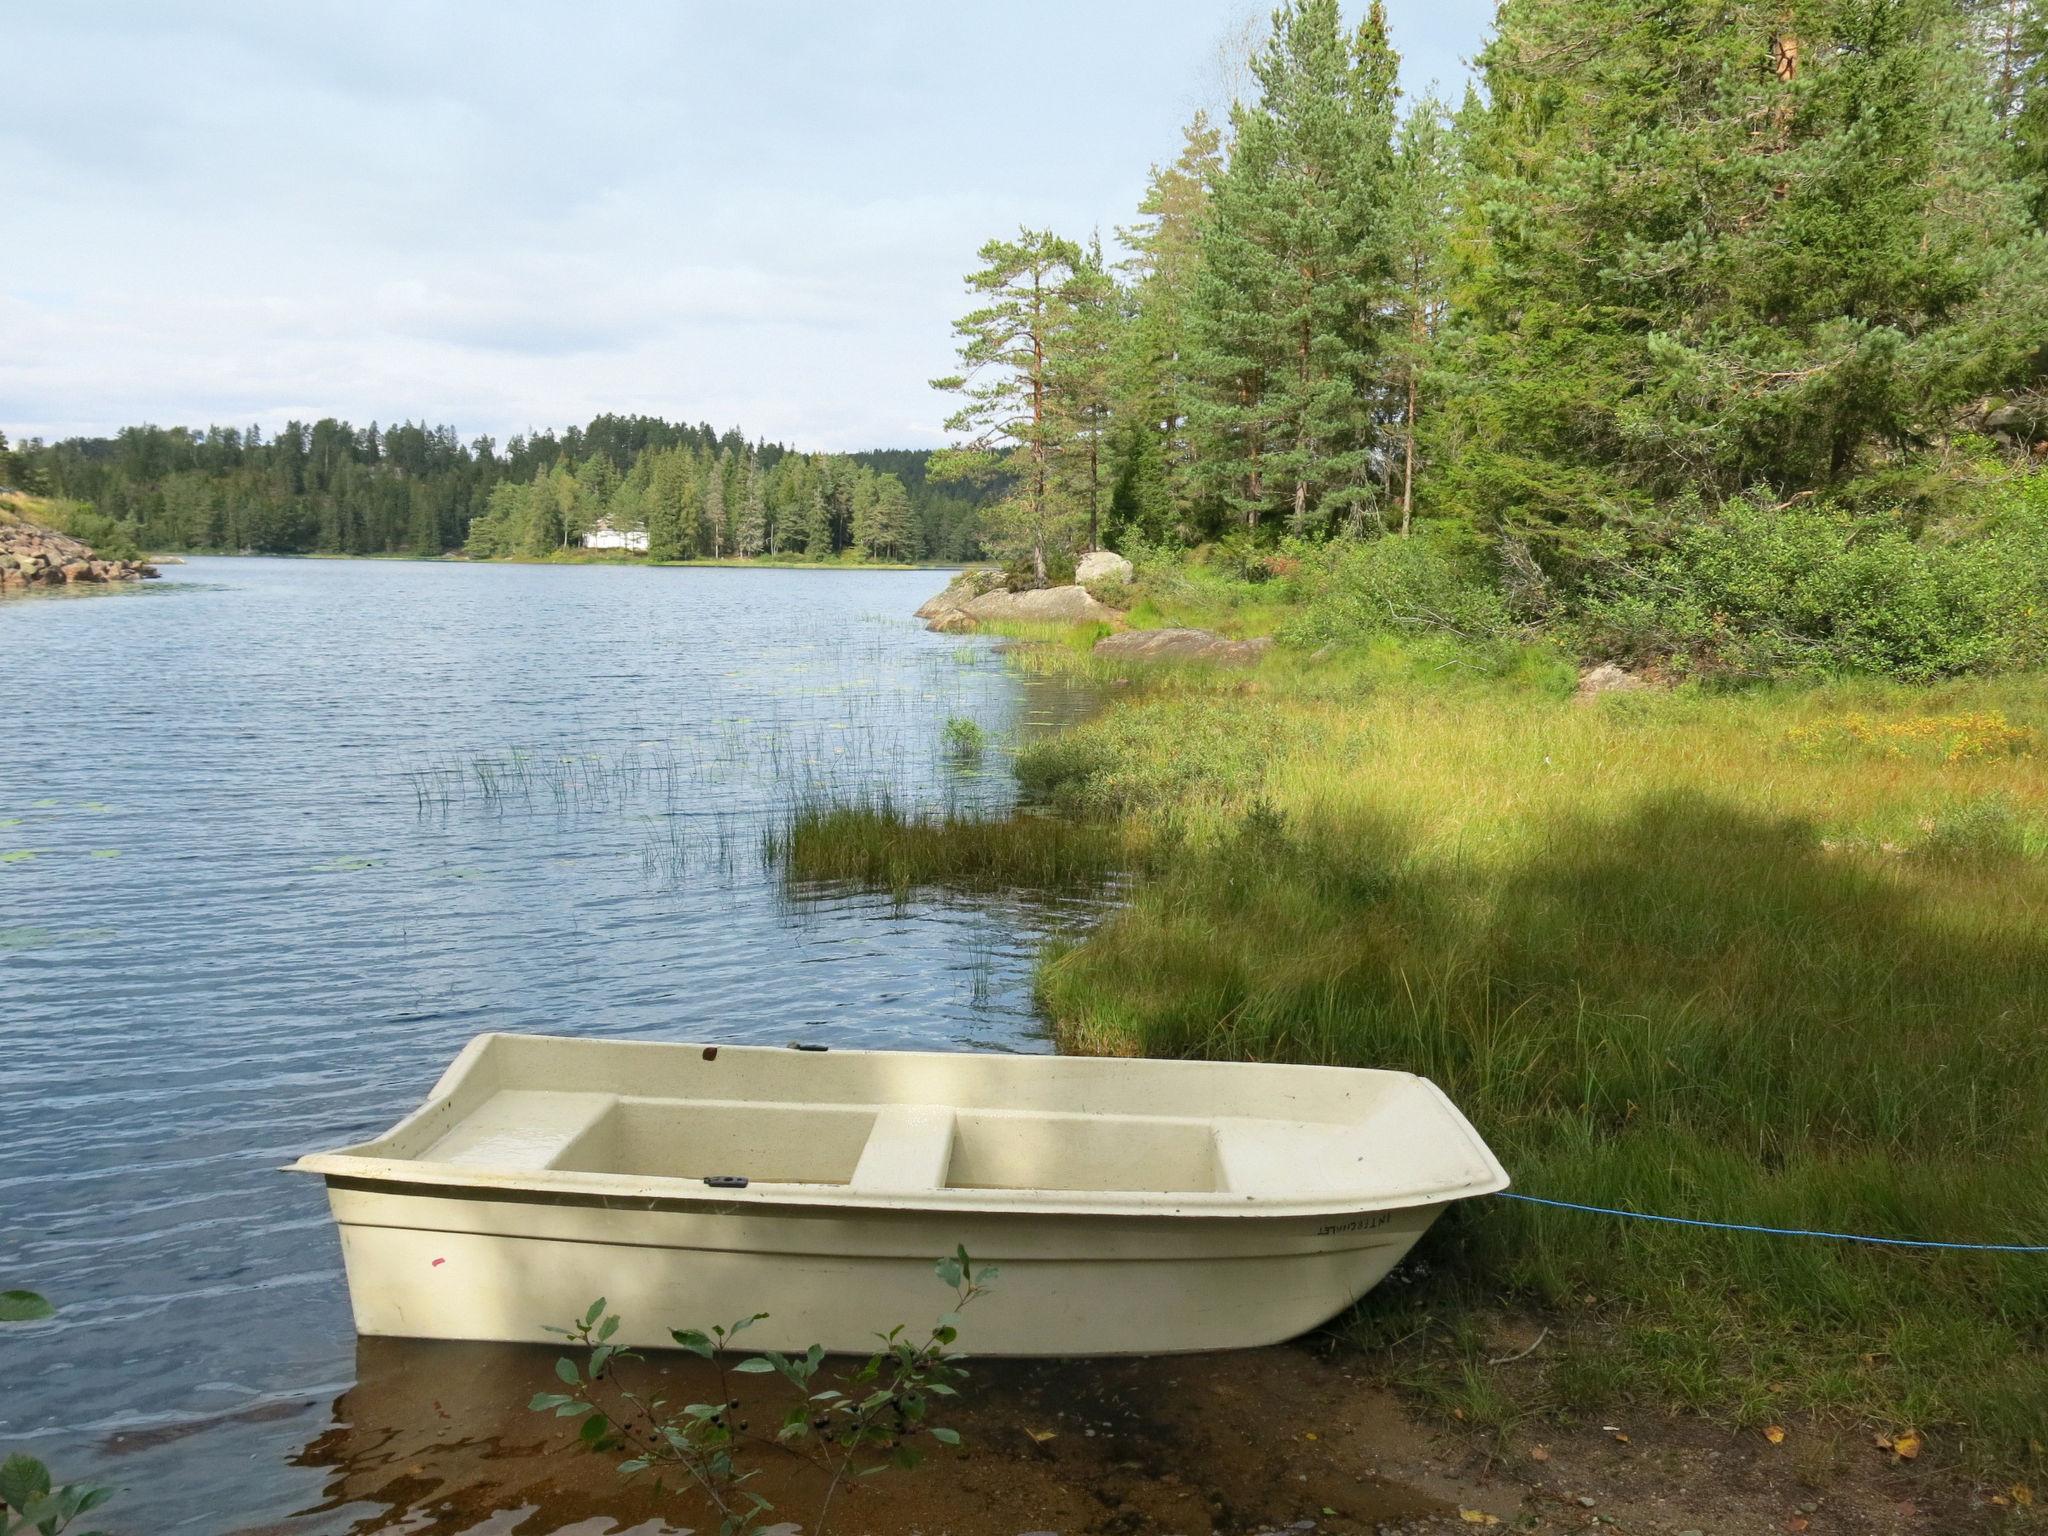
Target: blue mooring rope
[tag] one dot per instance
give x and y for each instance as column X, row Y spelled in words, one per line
column 1743, row 1226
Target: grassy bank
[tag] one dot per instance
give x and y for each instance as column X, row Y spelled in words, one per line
column 1771, row 957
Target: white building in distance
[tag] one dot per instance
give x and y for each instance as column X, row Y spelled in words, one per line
column 603, row 535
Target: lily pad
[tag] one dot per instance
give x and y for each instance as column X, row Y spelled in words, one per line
column 106, row 853
column 10, row 821
column 18, row 939
column 333, row 866
column 17, row 856
column 23, row 1307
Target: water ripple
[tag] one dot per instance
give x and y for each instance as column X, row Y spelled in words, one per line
column 301, row 828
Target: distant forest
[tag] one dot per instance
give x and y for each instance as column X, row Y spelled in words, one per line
column 333, row 488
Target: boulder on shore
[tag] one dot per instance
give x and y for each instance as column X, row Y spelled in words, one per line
column 1102, row 565
column 33, row 556
column 1047, row 605
column 947, row 611
column 978, row 597
column 1182, row 645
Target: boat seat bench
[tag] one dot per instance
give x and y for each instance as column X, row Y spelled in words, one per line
column 909, row 1150
column 524, row 1129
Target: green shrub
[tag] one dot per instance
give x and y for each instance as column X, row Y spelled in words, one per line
column 1754, row 588
column 110, row 539
column 1354, row 591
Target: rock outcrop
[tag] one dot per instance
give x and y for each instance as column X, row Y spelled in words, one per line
column 947, row 611
column 1182, row 645
column 978, row 598
column 1047, row 605
column 31, row 556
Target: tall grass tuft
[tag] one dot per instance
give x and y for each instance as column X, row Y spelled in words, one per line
column 875, row 844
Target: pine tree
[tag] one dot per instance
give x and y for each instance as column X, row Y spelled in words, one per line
column 1008, row 415
column 1288, row 316
column 1725, row 254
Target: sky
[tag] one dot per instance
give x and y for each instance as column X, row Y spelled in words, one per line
column 509, row 215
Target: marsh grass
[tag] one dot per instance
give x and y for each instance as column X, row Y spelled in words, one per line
column 1666, row 956
column 875, row 844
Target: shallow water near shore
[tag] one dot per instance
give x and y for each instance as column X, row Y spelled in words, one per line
column 277, row 837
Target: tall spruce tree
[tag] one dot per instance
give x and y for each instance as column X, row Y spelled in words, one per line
column 818, row 526
column 1154, row 453
column 1288, row 316
column 1426, row 176
column 711, row 508
column 751, row 535
column 1008, row 416
column 1723, row 246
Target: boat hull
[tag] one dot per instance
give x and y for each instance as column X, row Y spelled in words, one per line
column 462, row 1264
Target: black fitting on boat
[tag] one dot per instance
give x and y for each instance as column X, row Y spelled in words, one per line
column 805, row 1045
column 725, row 1181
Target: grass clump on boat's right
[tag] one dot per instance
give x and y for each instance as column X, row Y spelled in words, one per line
column 1730, row 957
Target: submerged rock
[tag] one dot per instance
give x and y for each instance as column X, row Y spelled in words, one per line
column 1182, row 645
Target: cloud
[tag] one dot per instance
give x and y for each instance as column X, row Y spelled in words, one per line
column 505, row 216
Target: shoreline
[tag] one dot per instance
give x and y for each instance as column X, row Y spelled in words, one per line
column 454, row 559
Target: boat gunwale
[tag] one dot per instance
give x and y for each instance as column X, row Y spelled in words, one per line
column 433, row 1180
column 422, row 1178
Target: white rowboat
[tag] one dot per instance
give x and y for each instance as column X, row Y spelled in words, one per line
column 1135, row 1207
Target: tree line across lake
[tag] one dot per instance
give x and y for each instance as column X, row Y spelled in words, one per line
column 336, row 489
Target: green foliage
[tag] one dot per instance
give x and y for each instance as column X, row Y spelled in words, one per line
column 966, row 739
column 1761, row 589
column 110, row 540
column 871, row 1421
column 1689, row 271
column 1356, row 591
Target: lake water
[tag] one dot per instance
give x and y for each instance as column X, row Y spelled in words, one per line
column 277, row 837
